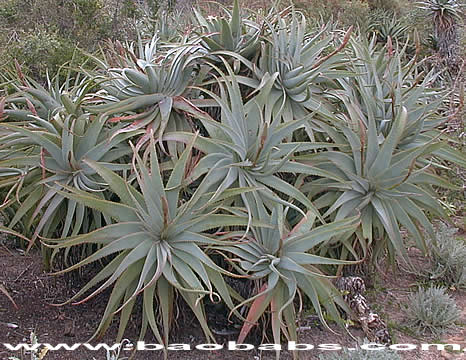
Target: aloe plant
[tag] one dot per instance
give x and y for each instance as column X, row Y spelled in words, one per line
column 49, row 149
column 247, row 148
column 446, row 15
column 236, row 33
column 386, row 80
column 158, row 240
column 386, row 87
column 386, row 25
column 33, row 98
column 284, row 264
column 151, row 91
column 301, row 65
column 382, row 182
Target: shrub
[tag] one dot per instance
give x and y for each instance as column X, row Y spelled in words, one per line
column 44, row 34
column 9, row 10
column 392, row 6
column 431, row 310
column 448, row 258
column 345, row 13
column 41, row 51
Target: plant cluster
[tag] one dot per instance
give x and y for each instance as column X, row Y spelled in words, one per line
column 448, row 258
column 432, row 310
column 249, row 147
column 446, row 19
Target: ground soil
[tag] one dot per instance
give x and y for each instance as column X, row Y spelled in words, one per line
column 34, row 291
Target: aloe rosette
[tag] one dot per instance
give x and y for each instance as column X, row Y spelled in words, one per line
column 150, row 93
column 382, row 182
column 235, row 33
column 49, row 154
column 247, row 148
column 283, row 263
column 158, row 239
